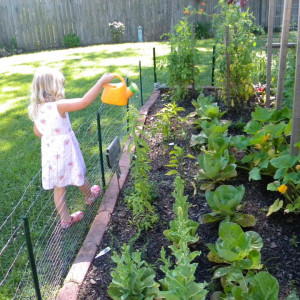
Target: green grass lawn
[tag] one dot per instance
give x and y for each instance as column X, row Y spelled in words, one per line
column 20, row 159
column 19, row 148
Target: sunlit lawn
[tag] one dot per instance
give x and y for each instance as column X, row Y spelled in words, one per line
column 19, row 148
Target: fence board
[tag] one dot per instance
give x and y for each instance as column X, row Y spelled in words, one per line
column 43, row 23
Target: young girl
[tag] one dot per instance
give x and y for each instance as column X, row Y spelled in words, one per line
column 62, row 161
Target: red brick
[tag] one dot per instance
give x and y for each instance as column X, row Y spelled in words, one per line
column 68, row 292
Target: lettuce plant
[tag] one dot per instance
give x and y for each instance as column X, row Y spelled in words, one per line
column 215, row 167
column 132, row 278
column 225, row 202
column 181, row 227
column 236, row 247
column 251, row 286
column 179, row 281
column 242, row 278
column 206, row 109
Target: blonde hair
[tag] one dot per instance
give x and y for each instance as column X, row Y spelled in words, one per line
column 47, row 86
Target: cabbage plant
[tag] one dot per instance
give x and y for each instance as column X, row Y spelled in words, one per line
column 225, row 202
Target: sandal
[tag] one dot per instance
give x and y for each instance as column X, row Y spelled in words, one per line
column 95, row 191
column 75, row 217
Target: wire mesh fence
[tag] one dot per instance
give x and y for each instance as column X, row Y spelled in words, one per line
column 55, row 249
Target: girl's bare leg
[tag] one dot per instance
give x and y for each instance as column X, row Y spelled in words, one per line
column 86, row 189
column 60, row 204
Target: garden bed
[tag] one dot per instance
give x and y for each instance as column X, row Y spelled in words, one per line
column 280, row 233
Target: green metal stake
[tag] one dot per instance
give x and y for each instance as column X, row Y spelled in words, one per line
column 127, row 108
column 31, row 259
column 141, row 83
column 154, row 65
column 213, row 66
column 100, row 148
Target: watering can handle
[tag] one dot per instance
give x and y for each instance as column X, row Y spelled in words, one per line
column 119, row 77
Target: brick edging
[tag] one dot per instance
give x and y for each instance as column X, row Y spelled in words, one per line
column 87, row 252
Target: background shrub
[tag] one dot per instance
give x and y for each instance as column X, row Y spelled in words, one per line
column 203, row 30
column 71, row 40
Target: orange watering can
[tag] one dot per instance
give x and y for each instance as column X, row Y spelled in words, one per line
column 118, row 93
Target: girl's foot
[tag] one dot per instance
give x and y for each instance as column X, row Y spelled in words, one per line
column 95, row 192
column 75, row 217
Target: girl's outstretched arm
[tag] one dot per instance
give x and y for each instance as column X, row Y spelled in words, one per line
column 66, row 105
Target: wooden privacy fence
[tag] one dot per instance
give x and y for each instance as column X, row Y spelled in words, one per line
column 42, row 24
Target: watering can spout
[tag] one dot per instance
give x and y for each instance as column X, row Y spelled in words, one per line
column 118, row 93
column 133, row 88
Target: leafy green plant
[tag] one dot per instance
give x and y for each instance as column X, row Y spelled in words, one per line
column 267, row 153
column 133, row 278
column 287, row 182
column 215, row 167
column 225, row 203
column 71, row 40
column 235, row 247
column 117, row 30
column 206, row 110
column 13, row 44
column 203, row 30
column 267, row 135
column 176, row 161
column 166, row 118
column 140, row 200
column 180, row 62
column 181, row 227
column 179, row 281
column 241, row 45
column 240, row 286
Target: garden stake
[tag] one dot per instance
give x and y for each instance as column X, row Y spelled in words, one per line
column 154, row 65
column 287, row 13
column 100, row 148
column 127, row 108
column 141, row 83
column 213, row 66
column 269, row 50
column 31, row 259
column 296, row 103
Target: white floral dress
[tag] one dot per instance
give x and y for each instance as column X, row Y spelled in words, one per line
column 62, row 161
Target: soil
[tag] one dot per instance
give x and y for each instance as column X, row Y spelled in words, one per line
column 280, row 232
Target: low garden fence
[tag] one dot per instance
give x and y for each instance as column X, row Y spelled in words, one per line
column 35, row 254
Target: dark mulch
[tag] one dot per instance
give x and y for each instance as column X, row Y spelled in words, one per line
column 280, row 233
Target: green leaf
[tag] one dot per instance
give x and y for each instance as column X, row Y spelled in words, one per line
column 284, row 161
column 275, row 130
column 210, row 218
column 261, row 114
column 244, row 220
column 253, row 127
column 254, row 174
column 279, row 173
column 292, row 177
column 221, row 272
column 172, row 172
column 273, row 186
column 264, row 287
column 256, row 240
column 277, row 205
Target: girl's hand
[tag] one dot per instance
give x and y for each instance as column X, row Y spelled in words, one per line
column 106, row 78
